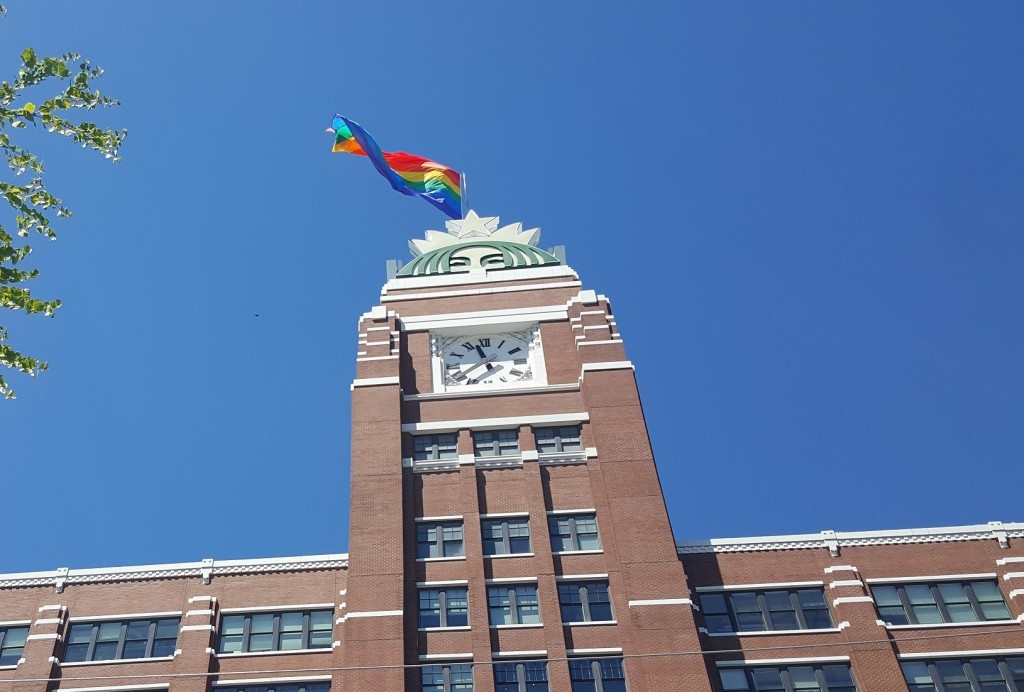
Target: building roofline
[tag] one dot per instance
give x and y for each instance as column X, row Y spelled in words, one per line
column 206, row 569
column 833, row 540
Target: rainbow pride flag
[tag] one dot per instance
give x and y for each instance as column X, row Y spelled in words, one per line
column 409, row 174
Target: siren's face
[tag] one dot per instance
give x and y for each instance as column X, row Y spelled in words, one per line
column 476, row 258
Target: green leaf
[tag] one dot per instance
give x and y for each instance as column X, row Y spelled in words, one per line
column 28, row 56
column 29, row 108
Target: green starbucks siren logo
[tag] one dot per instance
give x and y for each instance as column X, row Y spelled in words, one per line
column 476, row 243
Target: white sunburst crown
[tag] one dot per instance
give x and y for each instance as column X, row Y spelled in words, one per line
column 474, row 226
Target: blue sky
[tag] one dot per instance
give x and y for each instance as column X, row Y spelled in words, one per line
column 808, row 217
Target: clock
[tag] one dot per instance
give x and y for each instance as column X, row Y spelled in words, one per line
column 499, row 360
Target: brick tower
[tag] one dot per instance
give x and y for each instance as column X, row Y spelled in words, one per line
column 507, row 521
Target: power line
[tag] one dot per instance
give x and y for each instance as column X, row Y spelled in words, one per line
column 1009, row 629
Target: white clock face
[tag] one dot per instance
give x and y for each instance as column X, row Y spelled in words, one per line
column 486, row 359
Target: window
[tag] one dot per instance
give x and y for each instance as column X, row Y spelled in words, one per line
column 759, row 611
column 435, row 447
column 115, row 639
column 287, row 631
column 513, row 604
column 585, row 601
column 446, row 607
column 571, row 532
column 975, row 675
column 506, row 536
column 561, row 439
column 833, row 677
column 521, row 676
column 496, row 443
column 439, row 539
column 597, row 675
column 450, row 677
column 940, row 602
column 12, row 645
column 290, row 687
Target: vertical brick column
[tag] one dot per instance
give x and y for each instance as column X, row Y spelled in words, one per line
column 483, row 675
column 374, row 620
column 197, row 642
column 645, row 574
column 43, row 646
column 874, row 664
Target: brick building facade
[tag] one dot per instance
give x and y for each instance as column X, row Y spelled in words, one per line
column 509, row 533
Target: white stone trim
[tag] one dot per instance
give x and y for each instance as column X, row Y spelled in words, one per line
column 476, row 393
column 192, row 613
column 124, row 616
column 454, row 628
column 71, row 577
column 47, row 621
column 246, row 654
column 930, row 577
column 372, row 382
column 1013, row 575
column 361, row 356
column 504, row 515
column 519, row 654
column 490, row 423
column 453, row 558
column 449, row 517
column 959, row 654
column 276, row 608
column 748, row 587
column 518, row 626
column 198, row 599
column 114, row 688
column 21, row 623
column 510, row 580
column 480, row 291
column 1009, row 560
column 114, row 661
column 738, row 663
column 374, row 614
column 981, row 623
column 579, row 577
column 507, row 555
column 43, row 609
column 941, row 534
column 260, row 681
column 852, row 599
column 600, row 342
column 762, row 633
column 840, row 568
column 530, row 455
column 446, row 657
column 442, row 582
column 404, row 283
column 34, row 637
column 660, row 601
column 606, row 365
column 196, row 628
column 585, row 510
column 577, row 552
column 477, row 318
column 595, row 651
column 838, row 583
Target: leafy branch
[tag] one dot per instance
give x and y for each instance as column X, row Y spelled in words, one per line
column 33, row 205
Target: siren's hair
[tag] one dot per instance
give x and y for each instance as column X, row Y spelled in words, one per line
column 513, row 255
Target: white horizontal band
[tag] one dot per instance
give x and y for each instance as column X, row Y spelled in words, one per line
column 373, row 381
column 750, row 587
column 930, row 577
column 375, row 614
column 283, row 608
column 482, row 423
column 125, row 616
column 660, row 601
column 779, row 661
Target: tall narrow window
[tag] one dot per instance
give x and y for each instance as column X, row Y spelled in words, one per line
column 444, row 607
column 448, row 677
column 437, row 539
column 12, row 645
column 521, row 676
column 597, row 675
column 110, row 640
column 506, row 536
column 496, row 443
column 285, row 631
column 573, row 532
column 585, row 601
column 513, row 604
column 933, row 603
column 564, row 438
column 435, row 447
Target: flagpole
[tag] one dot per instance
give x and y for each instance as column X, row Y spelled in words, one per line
column 465, row 194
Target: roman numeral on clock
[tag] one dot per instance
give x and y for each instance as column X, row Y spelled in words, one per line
column 514, row 350
column 468, row 346
column 485, row 342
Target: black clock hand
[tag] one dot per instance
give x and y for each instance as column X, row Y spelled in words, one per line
column 480, row 351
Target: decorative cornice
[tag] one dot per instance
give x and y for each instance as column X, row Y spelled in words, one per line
column 204, row 569
column 832, row 540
